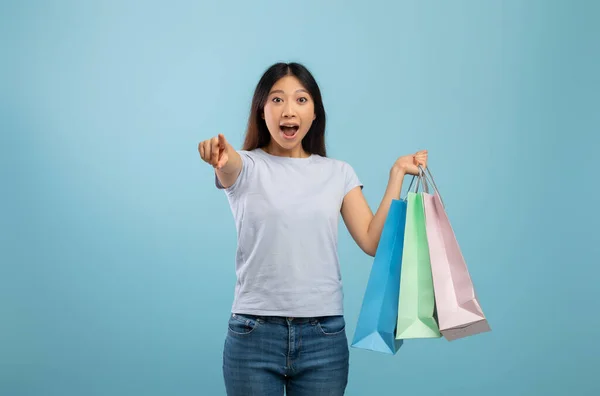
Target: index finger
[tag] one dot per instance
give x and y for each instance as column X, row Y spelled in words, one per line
column 215, row 151
column 222, row 141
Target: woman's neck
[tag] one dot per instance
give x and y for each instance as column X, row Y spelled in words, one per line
column 296, row 152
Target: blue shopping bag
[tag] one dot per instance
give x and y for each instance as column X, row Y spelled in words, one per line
column 376, row 325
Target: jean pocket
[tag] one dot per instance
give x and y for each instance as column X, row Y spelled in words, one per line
column 331, row 325
column 242, row 324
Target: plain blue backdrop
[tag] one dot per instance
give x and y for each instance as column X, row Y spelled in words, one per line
column 117, row 252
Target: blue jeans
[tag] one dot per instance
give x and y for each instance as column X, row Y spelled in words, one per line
column 263, row 355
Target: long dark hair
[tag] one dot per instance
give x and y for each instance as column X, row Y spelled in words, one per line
column 257, row 134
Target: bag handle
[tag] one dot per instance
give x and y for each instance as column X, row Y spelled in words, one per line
column 412, row 180
column 421, row 180
column 430, row 178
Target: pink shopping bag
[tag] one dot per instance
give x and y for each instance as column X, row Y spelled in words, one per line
column 458, row 310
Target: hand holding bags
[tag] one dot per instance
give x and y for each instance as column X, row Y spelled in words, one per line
column 419, row 285
column 458, row 309
column 377, row 319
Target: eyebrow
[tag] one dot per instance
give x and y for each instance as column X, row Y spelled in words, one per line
column 280, row 91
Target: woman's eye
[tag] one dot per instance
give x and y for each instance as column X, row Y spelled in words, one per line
column 302, row 100
column 276, row 100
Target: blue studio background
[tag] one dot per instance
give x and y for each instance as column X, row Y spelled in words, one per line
column 117, row 252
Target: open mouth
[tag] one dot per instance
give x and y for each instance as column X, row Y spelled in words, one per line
column 289, row 132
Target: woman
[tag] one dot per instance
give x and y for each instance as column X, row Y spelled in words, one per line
column 287, row 329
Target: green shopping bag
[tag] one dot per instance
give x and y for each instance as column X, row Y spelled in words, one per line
column 416, row 302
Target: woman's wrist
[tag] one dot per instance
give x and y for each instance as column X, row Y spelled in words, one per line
column 397, row 172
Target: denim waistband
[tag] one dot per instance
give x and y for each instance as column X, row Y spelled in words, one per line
column 282, row 319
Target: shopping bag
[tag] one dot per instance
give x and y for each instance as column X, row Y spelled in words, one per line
column 416, row 302
column 458, row 309
column 377, row 318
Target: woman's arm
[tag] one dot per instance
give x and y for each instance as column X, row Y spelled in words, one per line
column 230, row 171
column 364, row 227
column 222, row 156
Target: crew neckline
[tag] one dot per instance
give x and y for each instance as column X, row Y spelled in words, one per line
column 282, row 158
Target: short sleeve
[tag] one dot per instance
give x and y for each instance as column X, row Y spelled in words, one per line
column 243, row 177
column 351, row 179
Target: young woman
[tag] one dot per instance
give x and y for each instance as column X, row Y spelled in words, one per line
column 287, row 329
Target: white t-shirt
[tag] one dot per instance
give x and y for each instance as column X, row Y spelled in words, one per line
column 286, row 212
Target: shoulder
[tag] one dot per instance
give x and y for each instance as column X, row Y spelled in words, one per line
column 334, row 163
column 248, row 153
column 256, row 154
column 345, row 172
column 251, row 157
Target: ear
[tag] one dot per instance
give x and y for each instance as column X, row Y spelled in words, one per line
column 262, row 115
column 314, row 116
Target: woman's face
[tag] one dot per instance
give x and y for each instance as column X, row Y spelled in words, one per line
column 289, row 112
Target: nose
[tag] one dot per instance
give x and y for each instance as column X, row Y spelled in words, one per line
column 288, row 109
